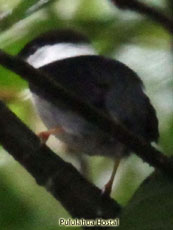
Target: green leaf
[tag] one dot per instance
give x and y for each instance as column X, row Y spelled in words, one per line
column 167, row 137
column 151, row 208
column 14, row 211
column 9, row 79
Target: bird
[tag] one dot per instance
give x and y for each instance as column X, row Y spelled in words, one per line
column 113, row 88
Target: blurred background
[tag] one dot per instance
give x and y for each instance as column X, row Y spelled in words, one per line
column 136, row 41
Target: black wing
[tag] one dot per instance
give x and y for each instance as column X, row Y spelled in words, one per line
column 110, row 86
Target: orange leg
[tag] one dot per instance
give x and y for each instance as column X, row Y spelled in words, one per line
column 108, row 186
column 44, row 136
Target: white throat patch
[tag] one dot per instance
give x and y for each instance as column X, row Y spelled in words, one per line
column 50, row 53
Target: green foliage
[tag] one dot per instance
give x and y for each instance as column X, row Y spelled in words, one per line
column 151, row 207
column 14, row 211
column 126, row 36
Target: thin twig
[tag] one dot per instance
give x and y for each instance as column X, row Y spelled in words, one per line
column 81, row 198
column 150, row 12
column 56, row 92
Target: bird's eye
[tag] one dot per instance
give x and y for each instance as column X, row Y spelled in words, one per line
column 33, row 48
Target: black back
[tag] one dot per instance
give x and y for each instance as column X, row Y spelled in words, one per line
column 110, row 86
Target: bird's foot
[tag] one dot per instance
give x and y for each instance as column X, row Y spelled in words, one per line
column 107, row 188
column 44, row 136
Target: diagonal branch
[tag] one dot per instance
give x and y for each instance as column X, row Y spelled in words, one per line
column 23, row 9
column 150, row 12
column 56, row 92
column 81, row 198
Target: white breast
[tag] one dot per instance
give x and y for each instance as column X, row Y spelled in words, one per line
column 51, row 53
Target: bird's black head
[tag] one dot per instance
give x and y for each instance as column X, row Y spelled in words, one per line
column 55, row 45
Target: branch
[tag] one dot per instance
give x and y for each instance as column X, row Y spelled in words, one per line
column 55, row 92
column 23, row 9
column 81, row 198
column 150, row 12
